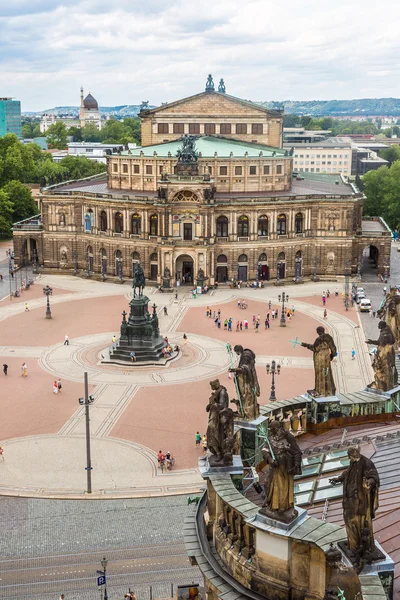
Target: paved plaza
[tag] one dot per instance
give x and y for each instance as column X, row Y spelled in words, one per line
column 139, row 410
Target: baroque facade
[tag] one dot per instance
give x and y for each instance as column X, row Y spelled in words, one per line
column 233, row 212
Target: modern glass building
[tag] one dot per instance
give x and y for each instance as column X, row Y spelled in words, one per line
column 10, row 117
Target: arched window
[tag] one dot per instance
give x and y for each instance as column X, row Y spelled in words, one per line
column 89, row 220
column 263, row 225
column 103, row 262
column 222, row 227
column 281, row 256
column 243, row 226
column 154, row 225
column 222, row 258
column 136, row 224
column 262, row 257
column 118, row 263
column 119, row 222
column 298, row 223
column 154, row 257
column 103, row 221
column 61, row 219
column 135, row 257
column 299, row 255
column 242, row 258
column 281, row 225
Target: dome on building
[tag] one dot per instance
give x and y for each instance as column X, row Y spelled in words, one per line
column 90, row 102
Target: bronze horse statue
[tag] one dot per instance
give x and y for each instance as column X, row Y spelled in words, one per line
column 138, row 280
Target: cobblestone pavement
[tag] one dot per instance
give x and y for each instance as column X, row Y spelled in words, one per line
column 53, row 547
column 89, row 311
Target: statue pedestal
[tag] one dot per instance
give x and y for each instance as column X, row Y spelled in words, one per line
column 268, row 523
column 384, row 568
column 235, row 469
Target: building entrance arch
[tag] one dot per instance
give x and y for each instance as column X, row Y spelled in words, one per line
column 184, row 269
column 29, row 251
column 369, row 262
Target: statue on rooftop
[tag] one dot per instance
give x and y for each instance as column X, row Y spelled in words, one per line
column 360, row 502
column 283, row 457
column 144, row 105
column 221, row 87
column 384, row 363
column 188, row 152
column 389, row 311
column 324, row 351
column 220, row 426
column 138, row 280
column 247, row 383
column 210, row 84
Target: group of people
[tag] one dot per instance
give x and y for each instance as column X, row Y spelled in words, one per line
column 57, row 387
column 165, row 459
column 228, row 323
column 201, row 441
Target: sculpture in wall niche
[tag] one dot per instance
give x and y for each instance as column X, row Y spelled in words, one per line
column 283, row 457
column 167, row 273
column 220, row 439
column 200, row 274
column 390, row 312
column 384, row 363
column 324, row 351
column 247, row 383
column 64, row 257
column 360, row 502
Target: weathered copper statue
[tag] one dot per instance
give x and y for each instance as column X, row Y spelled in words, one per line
column 220, row 426
column 384, row 364
column 390, row 312
column 360, row 502
column 138, row 280
column 283, row 457
column 247, row 383
column 324, row 351
column 188, row 152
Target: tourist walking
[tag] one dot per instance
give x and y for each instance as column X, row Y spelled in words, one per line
column 165, row 311
column 55, row 387
column 2, row 453
column 59, row 385
column 204, row 444
column 269, row 305
column 353, row 354
column 184, row 338
column 325, row 314
column 293, row 309
column 237, row 325
column 26, row 307
column 24, row 370
column 257, row 326
column 198, row 439
column 133, row 356
column 66, row 340
column 241, row 325
column 5, row 369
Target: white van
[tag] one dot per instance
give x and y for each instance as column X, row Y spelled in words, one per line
column 365, row 305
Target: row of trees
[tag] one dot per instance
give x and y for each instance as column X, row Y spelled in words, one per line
column 112, row 132
column 27, row 163
column 382, row 190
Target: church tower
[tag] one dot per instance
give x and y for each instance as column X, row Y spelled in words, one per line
column 82, row 110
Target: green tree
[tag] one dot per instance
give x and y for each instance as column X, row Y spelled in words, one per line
column 57, row 135
column 391, row 154
column 6, row 212
column 78, row 167
column 22, row 200
column 16, row 161
column 396, row 130
column 326, row 123
column 76, row 133
column 382, row 189
column 134, row 125
column 90, row 133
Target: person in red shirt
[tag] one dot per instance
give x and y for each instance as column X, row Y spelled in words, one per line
column 160, row 457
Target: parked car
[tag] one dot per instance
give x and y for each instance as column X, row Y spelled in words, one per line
column 365, row 305
column 360, row 296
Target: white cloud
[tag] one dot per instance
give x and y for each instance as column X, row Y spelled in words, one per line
column 129, row 50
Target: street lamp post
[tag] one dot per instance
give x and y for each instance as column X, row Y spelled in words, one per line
column 86, row 402
column 48, row 291
column 104, row 563
column 75, row 262
column 283, row 298
column 273, row 369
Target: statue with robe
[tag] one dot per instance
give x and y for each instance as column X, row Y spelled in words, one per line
column 283, row 458
column 324, row 351
column 360, row 502
column 384, row 363
column 389, row 311
column 247, row 383
column 220, row 439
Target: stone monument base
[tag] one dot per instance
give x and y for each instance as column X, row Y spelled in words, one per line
column 375, row 555
column 206, row 469
column 271, row 521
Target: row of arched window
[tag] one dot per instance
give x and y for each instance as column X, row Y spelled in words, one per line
column 222, row 224
column 135, row 256
column 262, row 225
column 243, row 258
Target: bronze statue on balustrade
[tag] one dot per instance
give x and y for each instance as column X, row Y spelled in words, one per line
column 220, row 439
column 246, row 383
column 384, row 363
column 324, row 351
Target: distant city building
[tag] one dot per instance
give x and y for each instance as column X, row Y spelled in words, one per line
column 94, row 150
column 10, row 117
column 89, row 111
column 299, row 135
column 327, row 156
column 50, row 119
column 40, row 141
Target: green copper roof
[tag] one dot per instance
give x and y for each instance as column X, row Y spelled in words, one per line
column 209, row 145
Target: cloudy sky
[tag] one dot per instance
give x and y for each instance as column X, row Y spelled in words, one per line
column 126, row 51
